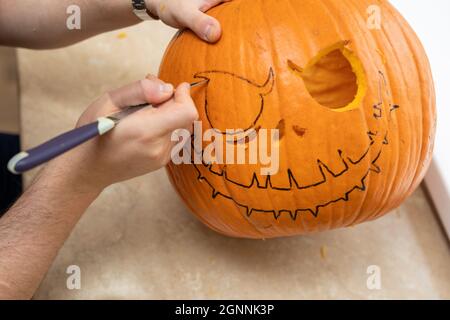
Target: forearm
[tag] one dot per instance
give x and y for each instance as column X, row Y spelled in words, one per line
column 33, row 231
column 43, row 24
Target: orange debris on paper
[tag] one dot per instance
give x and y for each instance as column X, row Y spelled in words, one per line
column 122, row 35
column 323, row 252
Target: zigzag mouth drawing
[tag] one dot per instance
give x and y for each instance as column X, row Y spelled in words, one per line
column 234, row 190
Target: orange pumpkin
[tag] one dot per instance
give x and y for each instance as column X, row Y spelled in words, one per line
column 354, row 105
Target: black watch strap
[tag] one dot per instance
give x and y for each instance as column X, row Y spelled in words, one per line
column 141, row 11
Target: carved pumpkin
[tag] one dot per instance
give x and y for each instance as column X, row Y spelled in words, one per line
column 354, row 105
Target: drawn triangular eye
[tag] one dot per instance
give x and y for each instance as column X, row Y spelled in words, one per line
column 334, row 78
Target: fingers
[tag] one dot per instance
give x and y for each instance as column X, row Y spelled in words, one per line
column 183, row 93
column 179, row 112
column 150, row 90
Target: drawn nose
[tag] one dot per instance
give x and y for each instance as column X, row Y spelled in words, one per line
column 232, row 102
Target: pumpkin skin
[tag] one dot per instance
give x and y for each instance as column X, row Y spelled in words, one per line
column 342, row 162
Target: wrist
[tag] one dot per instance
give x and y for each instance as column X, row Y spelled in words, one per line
column 153, row 6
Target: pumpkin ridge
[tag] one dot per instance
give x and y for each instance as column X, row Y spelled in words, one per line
column 380, row 155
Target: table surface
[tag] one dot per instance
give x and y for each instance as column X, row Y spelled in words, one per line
column 139, row 241
column 9, row 104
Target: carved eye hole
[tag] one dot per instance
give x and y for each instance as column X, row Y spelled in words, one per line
column 335, row 78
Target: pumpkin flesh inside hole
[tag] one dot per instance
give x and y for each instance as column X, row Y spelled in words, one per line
column 334, row 78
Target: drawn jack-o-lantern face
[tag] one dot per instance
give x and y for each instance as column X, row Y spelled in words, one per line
column 355, row 125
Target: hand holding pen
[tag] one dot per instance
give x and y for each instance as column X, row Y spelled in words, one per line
column 140, row 143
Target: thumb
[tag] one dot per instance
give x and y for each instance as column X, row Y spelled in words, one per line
column 151, row 90
column 206, row 27
column 210, row 26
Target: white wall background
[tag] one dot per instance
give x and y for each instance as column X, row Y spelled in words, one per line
column 431, row 20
